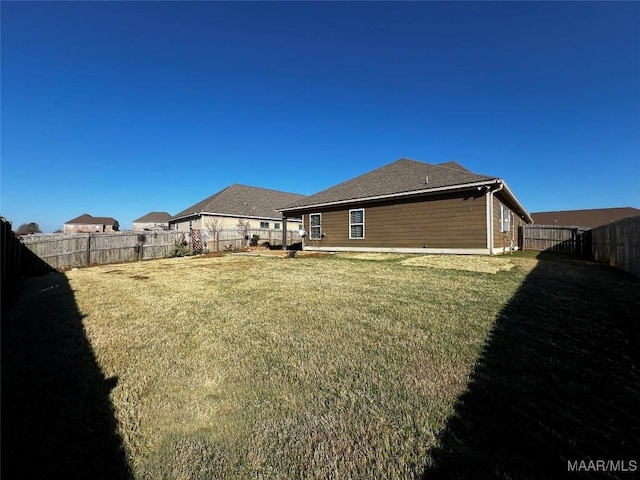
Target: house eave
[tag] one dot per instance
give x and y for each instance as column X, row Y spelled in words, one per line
column 525, row 215
column 448, row 188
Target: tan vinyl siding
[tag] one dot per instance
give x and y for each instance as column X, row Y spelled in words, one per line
column 230, row 223
column 444, row 222
column 93, row 228
column 502, row 240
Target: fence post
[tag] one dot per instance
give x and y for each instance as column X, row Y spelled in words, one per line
column 88, row 257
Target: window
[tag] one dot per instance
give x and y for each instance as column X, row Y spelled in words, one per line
column 276, row 225
column 264, row 224
column 315, row 226
column 505, row 218
column 356, row 223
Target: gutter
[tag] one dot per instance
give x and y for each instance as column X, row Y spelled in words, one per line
column 490, row 197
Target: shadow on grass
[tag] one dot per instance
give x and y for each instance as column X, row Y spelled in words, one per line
column 558, row 381
column 57, row 419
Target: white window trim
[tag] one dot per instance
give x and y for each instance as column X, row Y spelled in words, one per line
column 356, row 224
column 319, row 237
column 502, row 209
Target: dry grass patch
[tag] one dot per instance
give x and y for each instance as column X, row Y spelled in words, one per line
column 469, row 263
column 380, row 257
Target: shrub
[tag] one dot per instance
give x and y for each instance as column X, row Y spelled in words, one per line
column 180, row 248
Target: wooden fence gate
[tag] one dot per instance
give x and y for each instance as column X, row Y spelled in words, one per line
column 556, row 238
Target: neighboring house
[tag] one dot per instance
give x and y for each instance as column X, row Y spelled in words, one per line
column 153, row 221
column 238, row 206
column 85, row 223
column 413, row 207
column 584, row 218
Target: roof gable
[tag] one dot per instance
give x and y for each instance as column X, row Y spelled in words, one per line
column 154, row 217
column 243, row 201
column 86, row 219
column 402, row 176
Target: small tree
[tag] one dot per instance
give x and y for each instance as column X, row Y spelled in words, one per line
column 180, row 248
column 243, row 228
column 213, row 227
column 28, row 228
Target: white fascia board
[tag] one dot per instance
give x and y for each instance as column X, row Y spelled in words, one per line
column 412, row 193
column 441, row 251
column 509, row 193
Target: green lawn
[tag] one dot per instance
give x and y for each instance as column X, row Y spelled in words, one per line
column 338, row 366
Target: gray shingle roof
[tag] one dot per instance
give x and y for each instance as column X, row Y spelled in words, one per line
column 243, row 201
column 154, row 217
column 86, row 219
column 401, row 176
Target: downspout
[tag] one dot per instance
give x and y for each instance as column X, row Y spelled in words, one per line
column 490, row 196
column 304, row 237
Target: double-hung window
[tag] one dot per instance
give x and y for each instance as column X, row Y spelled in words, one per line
column 315, row 226
column 264, row 224
column 356, row 223
column 505, row 218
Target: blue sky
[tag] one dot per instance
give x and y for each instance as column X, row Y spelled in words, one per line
column 121, row 108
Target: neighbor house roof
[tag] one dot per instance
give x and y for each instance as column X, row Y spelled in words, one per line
column 86, row 219
column 584, row 218
column 154, row 217
column 242, row 201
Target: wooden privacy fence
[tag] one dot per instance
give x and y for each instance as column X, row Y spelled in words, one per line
column 618, row 244
column 78, row 250
column 555, row 238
